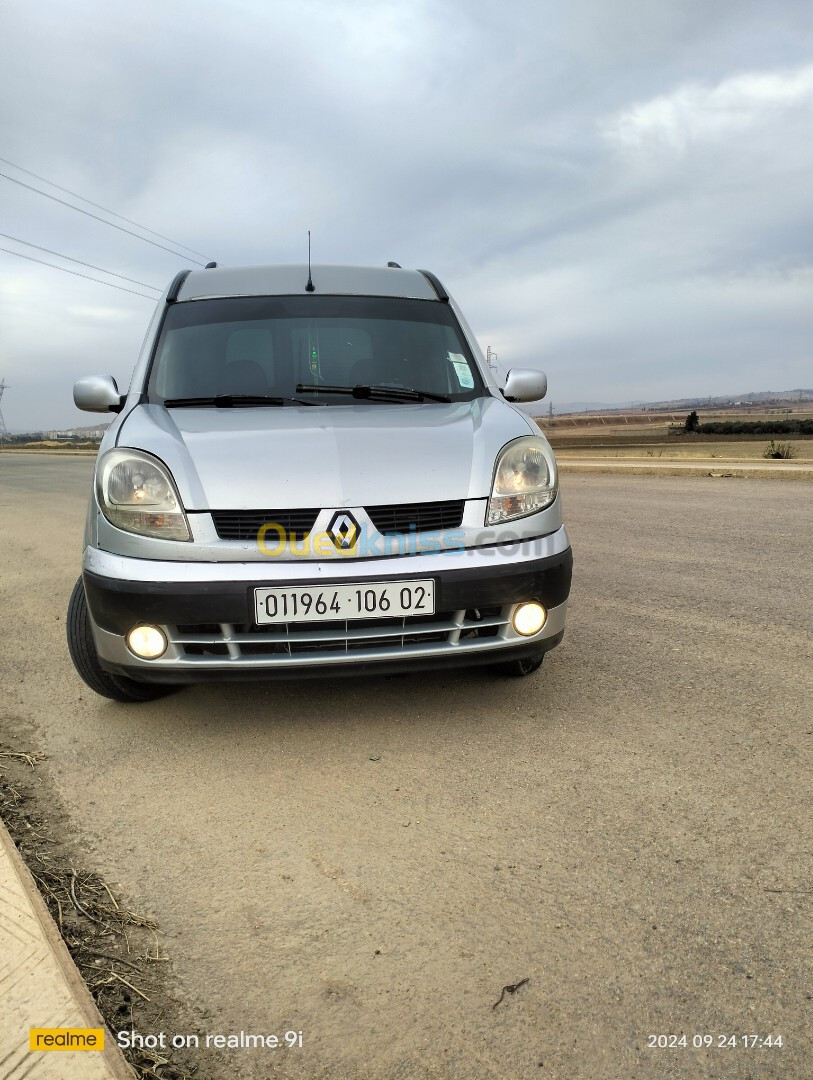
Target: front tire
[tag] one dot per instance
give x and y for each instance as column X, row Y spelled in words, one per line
column 82, row 648
column 518, row 669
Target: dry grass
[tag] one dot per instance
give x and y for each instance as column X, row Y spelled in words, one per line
column 583, row 429
column 658, row 436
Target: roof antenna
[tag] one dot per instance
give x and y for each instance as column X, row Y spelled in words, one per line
column 310, row 286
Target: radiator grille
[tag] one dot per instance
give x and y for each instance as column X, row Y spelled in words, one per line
column 417, row 517
column 391, row 520
column 246, row 524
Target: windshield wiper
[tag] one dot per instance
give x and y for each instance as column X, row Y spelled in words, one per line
column 233, row 401
column 382, row 393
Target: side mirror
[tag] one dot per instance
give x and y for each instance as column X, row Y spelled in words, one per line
column 97, row 393
column 525, row 384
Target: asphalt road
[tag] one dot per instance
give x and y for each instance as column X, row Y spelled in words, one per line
column 629, row 830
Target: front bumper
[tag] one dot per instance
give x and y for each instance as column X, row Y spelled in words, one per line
column 207, row 612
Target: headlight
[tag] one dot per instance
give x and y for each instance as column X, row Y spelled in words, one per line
column 136, row 493
column 524, row 480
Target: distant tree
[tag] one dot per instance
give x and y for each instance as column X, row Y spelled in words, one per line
column 692, row 421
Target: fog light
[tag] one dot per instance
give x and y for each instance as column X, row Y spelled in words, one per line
column 147, row 642
column 528, row 619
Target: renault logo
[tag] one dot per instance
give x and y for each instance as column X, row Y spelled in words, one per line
column 343, row 530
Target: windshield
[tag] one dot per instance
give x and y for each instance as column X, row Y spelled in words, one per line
column 275, row 345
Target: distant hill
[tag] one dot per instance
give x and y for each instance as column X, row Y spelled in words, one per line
column 754, row 397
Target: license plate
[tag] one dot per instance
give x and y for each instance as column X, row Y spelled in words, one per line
column 304, row 603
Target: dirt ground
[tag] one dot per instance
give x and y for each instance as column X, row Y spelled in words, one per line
column 371, row 862
column 118, row 952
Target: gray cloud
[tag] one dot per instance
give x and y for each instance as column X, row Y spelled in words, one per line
column 617, row 193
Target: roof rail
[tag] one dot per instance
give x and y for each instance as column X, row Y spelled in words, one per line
column 442, row 295
column 175, row 287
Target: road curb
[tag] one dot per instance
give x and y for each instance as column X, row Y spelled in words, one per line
column 716, row 469
column 40, row 986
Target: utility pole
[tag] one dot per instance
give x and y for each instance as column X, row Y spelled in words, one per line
column 3, row 428
column 491, row 357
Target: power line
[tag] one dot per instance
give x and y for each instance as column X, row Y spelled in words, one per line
column 59, row 255
column 96, row 217
column 98, row 206
column 76, row 273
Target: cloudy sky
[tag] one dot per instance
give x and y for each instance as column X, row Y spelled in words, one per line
column 616, row 191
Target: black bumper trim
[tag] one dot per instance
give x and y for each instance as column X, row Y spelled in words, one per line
column 117, row 605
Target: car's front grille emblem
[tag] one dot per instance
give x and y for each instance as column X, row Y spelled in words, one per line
column 343, row 530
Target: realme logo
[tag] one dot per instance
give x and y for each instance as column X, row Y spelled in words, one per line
column 66, row 1039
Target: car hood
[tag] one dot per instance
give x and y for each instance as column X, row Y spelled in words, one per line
column 327, row 456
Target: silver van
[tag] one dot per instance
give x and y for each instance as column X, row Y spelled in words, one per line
column 314, row 472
